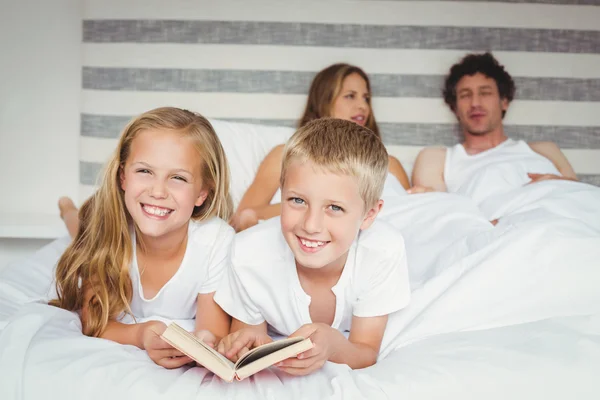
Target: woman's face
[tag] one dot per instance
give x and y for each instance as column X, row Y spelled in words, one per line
column 353, row 102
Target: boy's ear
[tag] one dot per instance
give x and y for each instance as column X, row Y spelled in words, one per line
column 371, row 214
column 201, row 197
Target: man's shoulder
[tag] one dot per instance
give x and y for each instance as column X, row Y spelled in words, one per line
column 430, row 155
column 544, row 146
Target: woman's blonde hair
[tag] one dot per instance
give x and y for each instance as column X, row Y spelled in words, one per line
column 97, row 261
column 326, row 87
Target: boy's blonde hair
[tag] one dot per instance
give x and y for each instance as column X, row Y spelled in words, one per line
column 341, row 147
column 99, row 256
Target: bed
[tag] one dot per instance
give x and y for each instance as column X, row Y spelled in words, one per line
column 505, row 311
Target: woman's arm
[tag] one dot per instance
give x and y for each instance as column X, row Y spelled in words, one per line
column 265, row 184
column 396, row 169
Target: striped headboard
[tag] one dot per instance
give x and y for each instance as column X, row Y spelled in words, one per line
column 253, row 60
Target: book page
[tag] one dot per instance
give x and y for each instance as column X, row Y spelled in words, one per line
column 251, row 365
column 199, row 351
column 265, row 349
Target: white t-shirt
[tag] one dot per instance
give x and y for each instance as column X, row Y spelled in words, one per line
column 262, row 284
column 494, row 171
column 201, row 270
column 391, row 188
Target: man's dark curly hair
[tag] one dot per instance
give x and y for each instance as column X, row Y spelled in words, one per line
column 470, row 65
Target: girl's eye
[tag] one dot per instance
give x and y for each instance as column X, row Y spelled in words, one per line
column 143, row 171
column 180, row 178
column 336, row 208
column 296, row 200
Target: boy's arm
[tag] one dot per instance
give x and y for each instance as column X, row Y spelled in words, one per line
column 360, row 350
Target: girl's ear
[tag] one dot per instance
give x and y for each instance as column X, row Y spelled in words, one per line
column 371, row 214
column 201, row 197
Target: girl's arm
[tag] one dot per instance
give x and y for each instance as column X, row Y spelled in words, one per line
column 210, row 317
column 145, row 336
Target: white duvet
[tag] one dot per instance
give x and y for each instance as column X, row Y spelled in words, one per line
column 511, row 311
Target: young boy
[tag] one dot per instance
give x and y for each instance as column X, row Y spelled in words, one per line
column 317, row 271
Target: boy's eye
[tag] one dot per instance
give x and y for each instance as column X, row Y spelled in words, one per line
column 336, row 208
column 296, row 200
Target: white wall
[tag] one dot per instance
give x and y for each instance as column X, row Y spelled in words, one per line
column 40, row 81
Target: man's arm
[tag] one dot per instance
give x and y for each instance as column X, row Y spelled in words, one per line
column 552, row 152
column 428, row 170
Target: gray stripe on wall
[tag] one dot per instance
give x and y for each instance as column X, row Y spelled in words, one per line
column 297, row 82
column 341, row 35
column 591, row 179
column 567, row 2
column 89, row 174
column 403, row 134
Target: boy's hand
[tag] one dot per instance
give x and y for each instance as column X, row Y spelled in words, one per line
column 238, row 343
column 325, row 340
column 158, row 350
column 207, row 337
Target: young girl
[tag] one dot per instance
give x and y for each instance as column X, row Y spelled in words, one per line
column 340, row 91
column 152, row 241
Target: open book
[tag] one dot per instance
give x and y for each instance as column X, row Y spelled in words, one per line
column 255, row 360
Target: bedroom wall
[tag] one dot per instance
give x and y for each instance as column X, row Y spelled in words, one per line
column 40, row 86
column 102, row 61
column 254, row 60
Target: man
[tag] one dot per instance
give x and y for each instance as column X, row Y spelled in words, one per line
column 478, row 90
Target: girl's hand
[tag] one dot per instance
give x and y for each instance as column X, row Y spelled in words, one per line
column 236, row 344
column 324, row 338
column 207, row 337
column 158, row 350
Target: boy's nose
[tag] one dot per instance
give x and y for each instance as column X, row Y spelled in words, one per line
column 313, row 221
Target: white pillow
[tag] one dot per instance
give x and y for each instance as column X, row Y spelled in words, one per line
column 246, row 145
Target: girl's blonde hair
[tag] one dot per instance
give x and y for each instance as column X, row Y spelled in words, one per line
column 326, row 87
column 98, row 259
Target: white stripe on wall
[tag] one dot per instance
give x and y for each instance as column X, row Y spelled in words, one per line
column 302, row 58
column 281, row 106
column 413, row 13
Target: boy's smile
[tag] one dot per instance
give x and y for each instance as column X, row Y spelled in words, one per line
column 321, row 215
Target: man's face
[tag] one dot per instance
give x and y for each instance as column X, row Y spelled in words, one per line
column 478, row 104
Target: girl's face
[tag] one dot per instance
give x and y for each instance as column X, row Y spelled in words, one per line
column 353, row 102
column 162, row 181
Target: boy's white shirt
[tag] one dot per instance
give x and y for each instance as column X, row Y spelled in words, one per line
column 201, row 270
column 261, row 282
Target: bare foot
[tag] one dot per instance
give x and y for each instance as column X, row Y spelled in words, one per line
column 69, row 214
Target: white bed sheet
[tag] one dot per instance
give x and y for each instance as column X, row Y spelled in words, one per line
column 511, row 311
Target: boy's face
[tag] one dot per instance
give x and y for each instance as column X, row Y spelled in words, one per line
column 321, row 215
